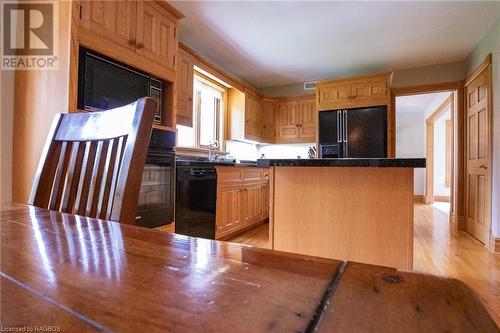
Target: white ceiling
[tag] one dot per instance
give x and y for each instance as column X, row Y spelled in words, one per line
column 282, row 42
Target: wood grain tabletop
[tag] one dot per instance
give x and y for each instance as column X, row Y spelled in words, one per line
column 67, row 273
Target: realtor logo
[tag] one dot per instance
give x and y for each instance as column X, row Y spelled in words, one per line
column 29, row 35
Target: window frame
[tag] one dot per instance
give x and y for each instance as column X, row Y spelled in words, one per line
column 221, row 114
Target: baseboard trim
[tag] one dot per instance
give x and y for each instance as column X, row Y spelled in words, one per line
column 442, row 198
column 494, row 244
column 418, row 198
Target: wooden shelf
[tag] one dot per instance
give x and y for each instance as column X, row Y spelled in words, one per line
column 164, row 128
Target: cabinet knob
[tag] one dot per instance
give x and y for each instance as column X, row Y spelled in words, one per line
column 140, row 46
column 484, row 167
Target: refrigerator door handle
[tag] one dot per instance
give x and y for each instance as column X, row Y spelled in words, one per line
column 345, row 152
column 345, row 125
column 339, row 117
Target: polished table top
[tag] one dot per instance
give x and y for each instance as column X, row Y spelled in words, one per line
column 79, row 274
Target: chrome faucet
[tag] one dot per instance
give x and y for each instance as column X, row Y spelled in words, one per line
column 211, row 150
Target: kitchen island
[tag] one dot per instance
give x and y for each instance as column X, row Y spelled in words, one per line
column 350, row 209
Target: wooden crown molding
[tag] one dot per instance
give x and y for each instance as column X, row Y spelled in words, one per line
column 427, row 88
column 210, row 68
column 480, row 68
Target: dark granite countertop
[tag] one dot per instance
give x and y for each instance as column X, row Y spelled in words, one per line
column 214, row 163
column 346, row 162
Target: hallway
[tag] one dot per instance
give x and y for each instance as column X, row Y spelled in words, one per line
column 439, row 250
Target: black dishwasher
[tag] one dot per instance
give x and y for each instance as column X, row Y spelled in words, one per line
column 196, row 201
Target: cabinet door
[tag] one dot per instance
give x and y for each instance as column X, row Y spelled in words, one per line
column 253, row 201
column 252, row 111
column 308, row 126
column 156, row 38
column 228, row 215
column 267, row 120
column 115, row 20
column 370, row 92
column 243, row 207
column 185, row 89
column 287, row 127
column 264, row 201
column 331, row 96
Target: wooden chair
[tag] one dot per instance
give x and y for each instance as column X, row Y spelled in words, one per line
column 92, row 163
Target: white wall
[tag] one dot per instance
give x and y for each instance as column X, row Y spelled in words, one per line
column 242, row 150
column 491, row 44
column 285, row 151
column 440, row 188
column 6, row 124
column 248, row 151
column 410, row 142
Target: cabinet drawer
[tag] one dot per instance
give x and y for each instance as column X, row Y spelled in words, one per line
column 229, row 175
column 252, row 174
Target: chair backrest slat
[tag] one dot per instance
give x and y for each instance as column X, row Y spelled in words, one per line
column 83, row 182
column 95, row 178
column 73, row 177
column 92, row 163
column 107, row 178
column 120, row 146
column 60, row 177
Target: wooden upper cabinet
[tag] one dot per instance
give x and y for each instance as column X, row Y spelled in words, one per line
column 308, row 115
column 156, row 34
column 330, row 95
column 185, row 88
column 287, row 129
column 372, row 91
column 268, row 112
column 244, row 109
column 252, row 116
column 114, row 20
column 349, row 93
column 296, row 120
column 139, row 33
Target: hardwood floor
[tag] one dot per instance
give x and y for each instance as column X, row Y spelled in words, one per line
column 438, row 249
column 258, row 236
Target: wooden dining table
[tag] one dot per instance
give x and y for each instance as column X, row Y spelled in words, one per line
column 67, row 273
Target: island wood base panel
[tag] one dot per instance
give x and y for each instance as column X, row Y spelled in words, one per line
column 359, row 214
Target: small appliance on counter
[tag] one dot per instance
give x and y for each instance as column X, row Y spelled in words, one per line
column 156, row 198
column 196, row 197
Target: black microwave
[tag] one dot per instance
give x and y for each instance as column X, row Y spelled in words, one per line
column 104, row 83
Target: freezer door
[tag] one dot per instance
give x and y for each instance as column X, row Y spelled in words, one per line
column 366, row 133
column 329, row 127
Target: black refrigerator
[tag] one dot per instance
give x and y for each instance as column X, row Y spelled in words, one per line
column 354, row 133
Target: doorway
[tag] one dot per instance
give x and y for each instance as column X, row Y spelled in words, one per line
column 424, row 128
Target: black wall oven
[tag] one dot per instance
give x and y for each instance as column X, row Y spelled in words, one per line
column 156, row 199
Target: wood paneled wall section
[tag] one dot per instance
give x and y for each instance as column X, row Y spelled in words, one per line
column 35, row 107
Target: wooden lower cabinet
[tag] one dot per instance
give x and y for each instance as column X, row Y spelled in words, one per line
column 228, row 210
column 242, row 202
